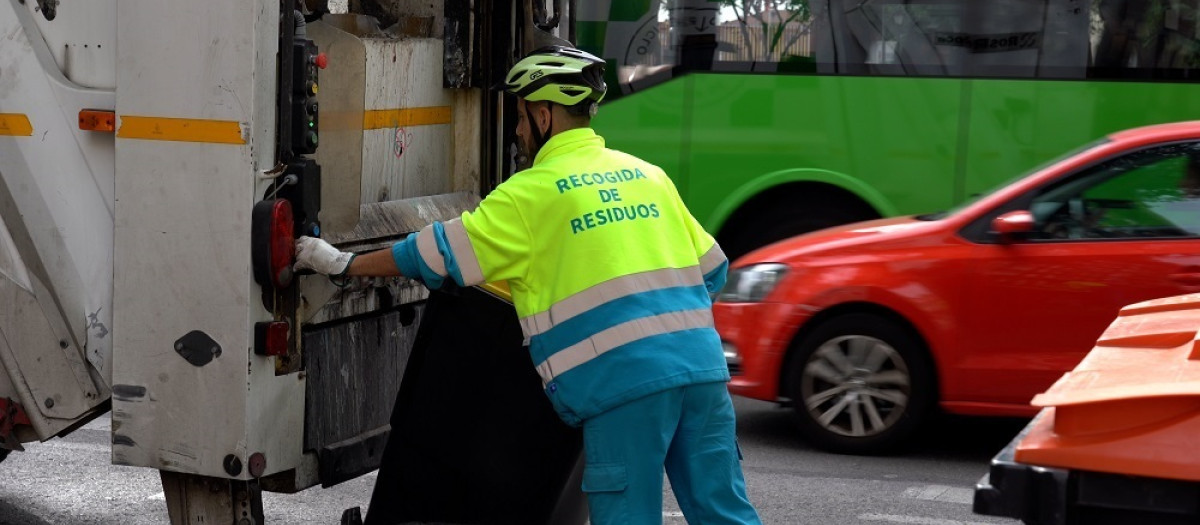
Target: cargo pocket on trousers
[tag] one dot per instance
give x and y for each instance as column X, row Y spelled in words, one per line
column 605, row 486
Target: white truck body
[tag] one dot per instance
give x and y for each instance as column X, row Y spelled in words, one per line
column 124, row 252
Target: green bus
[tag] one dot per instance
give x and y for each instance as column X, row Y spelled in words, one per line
column 777, row 117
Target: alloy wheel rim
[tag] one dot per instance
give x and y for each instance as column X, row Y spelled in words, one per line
column 856, row 386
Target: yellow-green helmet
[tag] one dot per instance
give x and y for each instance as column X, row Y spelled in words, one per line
column 563, row 75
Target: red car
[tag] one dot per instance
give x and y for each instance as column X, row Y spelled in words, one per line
column 864, row 329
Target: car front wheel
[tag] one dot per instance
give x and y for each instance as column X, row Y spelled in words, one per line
column 861, row 383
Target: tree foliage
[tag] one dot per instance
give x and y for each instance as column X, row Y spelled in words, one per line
column 773, row 19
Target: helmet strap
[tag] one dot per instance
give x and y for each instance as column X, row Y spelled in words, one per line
column 539, row 138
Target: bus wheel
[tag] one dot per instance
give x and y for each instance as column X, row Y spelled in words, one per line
column 789, row 211
column 3, row 454
column 861, row 383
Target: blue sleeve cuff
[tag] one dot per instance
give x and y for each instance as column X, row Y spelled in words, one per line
column 411, row 265
column 715, row 280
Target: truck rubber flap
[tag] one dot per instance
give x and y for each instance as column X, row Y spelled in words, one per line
column 474, row 439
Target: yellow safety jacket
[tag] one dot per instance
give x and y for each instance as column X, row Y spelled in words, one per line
column 609, row 272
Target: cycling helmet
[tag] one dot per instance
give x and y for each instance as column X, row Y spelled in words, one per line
column 563, row 75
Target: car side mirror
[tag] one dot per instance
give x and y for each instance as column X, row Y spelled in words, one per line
column 1012, row 225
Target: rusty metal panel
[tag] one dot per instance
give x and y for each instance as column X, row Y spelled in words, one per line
column 381, row 225
column 458, row 32
column 387, row 222
column 354, row 370
column 411, row 17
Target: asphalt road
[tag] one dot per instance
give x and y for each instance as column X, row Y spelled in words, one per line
column 71, row 482
column 930, row 484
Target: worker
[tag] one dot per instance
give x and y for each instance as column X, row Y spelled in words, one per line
column 610, row 275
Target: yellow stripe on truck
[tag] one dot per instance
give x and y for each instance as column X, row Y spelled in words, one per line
column 230, row 132
column 15, row 124
column 181, row 130
column 398, row 118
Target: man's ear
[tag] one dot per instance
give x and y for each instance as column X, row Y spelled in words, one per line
column 545, row 115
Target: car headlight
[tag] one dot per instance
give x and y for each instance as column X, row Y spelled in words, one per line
column 752, row 284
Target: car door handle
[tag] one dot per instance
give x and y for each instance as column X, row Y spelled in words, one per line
column 1186, row 278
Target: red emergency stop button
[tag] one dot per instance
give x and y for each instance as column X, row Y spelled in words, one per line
column 321, row 60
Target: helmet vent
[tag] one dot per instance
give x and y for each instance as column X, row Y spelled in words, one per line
column 553, row 64
column 571, row 92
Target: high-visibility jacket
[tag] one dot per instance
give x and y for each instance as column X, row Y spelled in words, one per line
column 609, row 272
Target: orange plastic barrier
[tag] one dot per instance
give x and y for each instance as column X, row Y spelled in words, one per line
column 1132, row 406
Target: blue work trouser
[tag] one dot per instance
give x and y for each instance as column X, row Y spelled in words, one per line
column 690, row 431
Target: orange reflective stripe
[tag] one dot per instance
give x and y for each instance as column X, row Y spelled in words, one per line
column 15, row 124
column 397, row 118
column 181, row 130
column 101, row 120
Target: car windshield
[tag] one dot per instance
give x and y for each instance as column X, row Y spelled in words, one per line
column 974, row 198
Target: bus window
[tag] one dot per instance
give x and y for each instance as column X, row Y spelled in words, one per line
column 1145, row 38
column 634, row 38
column 957, row 38
column 1053, row 39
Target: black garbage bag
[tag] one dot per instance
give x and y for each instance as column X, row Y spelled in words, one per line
column 474, row 439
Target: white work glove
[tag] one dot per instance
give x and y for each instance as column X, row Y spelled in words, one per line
column 321, row 257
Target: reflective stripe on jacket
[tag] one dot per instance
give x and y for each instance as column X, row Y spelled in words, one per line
column 609, row 272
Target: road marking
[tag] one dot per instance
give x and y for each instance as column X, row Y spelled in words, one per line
column 916, row 520
column 672, row 514
column 943, row 493
column 160, row 497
